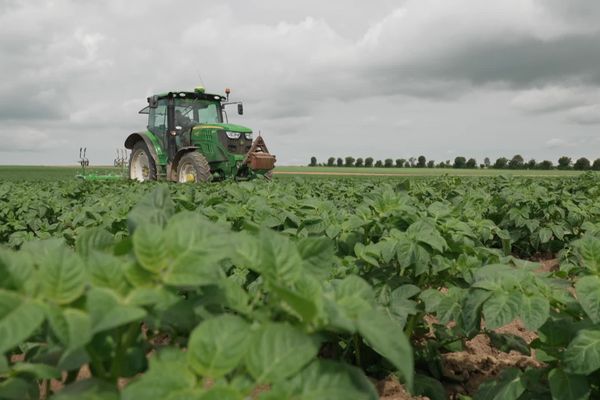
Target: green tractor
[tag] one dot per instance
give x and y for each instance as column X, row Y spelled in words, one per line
column 189, row 139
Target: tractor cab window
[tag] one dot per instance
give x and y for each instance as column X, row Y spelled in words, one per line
column 194, row 111
column 210, row 113
column 157, row 119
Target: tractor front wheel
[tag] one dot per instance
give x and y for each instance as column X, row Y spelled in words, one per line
column 194, row 168
column 141, row 164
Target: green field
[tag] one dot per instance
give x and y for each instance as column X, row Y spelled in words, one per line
column 52, row 173
column 345, row 271
column 47, row 173
column 421, row 171
column 310, row 287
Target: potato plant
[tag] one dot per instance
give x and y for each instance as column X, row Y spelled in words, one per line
column 294, row 289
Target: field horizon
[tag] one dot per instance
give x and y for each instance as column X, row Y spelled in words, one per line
column 51, row 172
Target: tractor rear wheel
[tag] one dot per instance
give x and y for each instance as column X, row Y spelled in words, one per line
column 141, row 164
column 194, row 168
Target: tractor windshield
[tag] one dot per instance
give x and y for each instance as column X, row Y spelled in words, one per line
column 197, row 111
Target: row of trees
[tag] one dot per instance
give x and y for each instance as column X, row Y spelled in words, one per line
column 517, row 162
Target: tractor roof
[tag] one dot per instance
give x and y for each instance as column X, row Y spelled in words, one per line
column 190, row 95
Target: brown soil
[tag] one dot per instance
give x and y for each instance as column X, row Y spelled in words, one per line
column 549, row 265
column 391, row 389
column 480, row 361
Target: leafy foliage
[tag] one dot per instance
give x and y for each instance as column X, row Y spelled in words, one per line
column 302, row 287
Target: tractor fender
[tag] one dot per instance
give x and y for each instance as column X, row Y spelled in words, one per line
column 136, row 137
column 175, row 163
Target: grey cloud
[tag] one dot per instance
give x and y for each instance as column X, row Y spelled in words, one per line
column 80, row 70
column 525, row 64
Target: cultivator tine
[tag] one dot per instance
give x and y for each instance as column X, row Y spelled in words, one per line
column 121, row 159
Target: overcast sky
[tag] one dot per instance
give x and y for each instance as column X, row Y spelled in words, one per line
column 376, row 78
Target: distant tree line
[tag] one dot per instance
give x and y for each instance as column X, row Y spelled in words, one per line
column 517, row 162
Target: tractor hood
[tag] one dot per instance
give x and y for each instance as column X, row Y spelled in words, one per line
column 226, row 127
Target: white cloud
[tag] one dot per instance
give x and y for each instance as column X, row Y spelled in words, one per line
column 559, row 143
column 29, row 140
column 585, row 115
column 553, row 98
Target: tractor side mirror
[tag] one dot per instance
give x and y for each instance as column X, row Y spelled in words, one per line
column 153, row 101
column 240, row 109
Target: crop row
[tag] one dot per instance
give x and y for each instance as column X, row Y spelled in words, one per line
column 297, row 289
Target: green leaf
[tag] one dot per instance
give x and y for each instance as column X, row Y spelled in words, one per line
column 430, row 387
column 280, row 261
column 324, row 379
column 155, row 208
column 506, row 342
column 3, row 365
column 106, row 270
column 19, row 389
column 222, row 393
column 71, row 326
column 61, row 272
column 583, row 354
column 432, row 298
column 16, row 269
column 318, row 255
column 195, row 247
column 150, row 248
column 217, row 345
column 385, row 336
column 426, row 233
column 545, row 234
column 588, row 295
column 564, row 386
column 277, row 351
column 588, row 249
column 108, row 312
column 508, row 386
column 236, row 297
column 38, row 371
column 410, row 253
column 449, row 307
column 18, row 320
column 93, row 239
column 134, row 361
column 471, row 310
column 193, row 270
column 8, row 302
column 353, row 296
column 535, row 311
column 168, row 374
column 306, row 306
column 501, row 308
column 89, row 389
column 368, row 254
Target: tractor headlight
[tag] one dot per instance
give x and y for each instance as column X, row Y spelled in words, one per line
column 233, row 135
column 249, row 136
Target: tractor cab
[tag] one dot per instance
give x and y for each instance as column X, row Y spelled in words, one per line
column 196, row 122
column 171, row 116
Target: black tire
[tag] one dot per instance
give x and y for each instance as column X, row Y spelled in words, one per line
column 193, row 168
column 268, row 175
column 142, row 166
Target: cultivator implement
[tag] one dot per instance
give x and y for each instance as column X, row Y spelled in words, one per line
column 85, row 174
